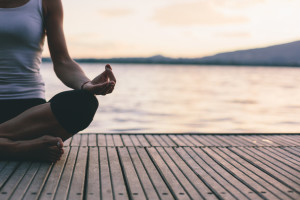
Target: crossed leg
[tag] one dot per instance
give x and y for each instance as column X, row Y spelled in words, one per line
column 33, row 135
column 33, row 123
column 38, row 134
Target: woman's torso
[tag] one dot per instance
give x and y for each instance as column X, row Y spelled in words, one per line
column 21, row 44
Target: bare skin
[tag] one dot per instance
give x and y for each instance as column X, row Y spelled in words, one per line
column 35, row 133
column 43, row 148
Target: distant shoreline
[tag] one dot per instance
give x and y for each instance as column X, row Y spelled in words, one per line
column 283, row 55
column 173, row 61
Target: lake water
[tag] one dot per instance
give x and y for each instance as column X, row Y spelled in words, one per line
column 197, row 99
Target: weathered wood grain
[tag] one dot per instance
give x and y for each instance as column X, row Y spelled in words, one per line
column 161, row 166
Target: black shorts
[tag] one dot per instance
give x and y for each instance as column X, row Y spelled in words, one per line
column 74, row 109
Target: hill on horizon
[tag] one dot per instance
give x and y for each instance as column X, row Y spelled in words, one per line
column 283, row 54
column 278, row 55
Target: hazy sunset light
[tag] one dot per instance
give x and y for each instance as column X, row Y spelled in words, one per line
column 176, row 28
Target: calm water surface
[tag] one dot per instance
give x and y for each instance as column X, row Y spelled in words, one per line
column 182, row 99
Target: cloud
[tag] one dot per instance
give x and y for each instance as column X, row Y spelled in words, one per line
column 115, row 12
column 195, row 13
column 234, row 34
column 237, row 3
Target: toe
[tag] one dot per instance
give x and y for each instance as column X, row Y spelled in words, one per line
column 62, row 151
column 54, row 151
column 60, row 143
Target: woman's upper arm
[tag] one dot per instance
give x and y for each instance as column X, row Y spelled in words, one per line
column 53, row 16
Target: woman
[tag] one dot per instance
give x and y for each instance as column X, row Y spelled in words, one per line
column 32, row 128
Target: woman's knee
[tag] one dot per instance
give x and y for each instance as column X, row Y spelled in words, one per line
column 74, row 109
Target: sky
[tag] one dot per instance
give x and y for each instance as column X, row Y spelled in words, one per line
column 176, row 28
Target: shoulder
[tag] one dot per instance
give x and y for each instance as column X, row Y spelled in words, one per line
column 52, row 6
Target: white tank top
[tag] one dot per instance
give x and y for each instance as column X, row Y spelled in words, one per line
column 21, row 44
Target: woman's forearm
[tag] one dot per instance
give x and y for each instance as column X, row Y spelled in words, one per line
column 70, row 73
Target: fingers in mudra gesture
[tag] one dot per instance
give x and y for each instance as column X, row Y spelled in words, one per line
column 103, row 84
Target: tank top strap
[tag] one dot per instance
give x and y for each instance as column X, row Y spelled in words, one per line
column 35, row 5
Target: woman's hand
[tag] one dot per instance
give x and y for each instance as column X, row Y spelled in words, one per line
column 102, row 84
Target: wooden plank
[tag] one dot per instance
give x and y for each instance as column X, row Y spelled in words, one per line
column 156, row 179
column 228, row 140
column 281, row 190
column 126, row 140
column 292, row 140
column 93, row 176
column 118, row 141
column 201, row 169
column 14, row 180
column 169, row 142
column 268, row 140
column 252, row 140
column 241, row 141
column 84, row 140
column 263, row 141
column 222, row 176
column 278, row 164
column 268, row 166
column 237, row 141
column 76, row 140
column 193, row 141
column 142, row 174
column 105, row 181
column 176, row 140
column 119, row 188
column 185, row 141
column 189, row 188
column 135, row 141
column 234, row 185
column 197, row 183
column 92, row 140
column 160, row 140
column 64, row 183
column 293, row 150
column 78, row 179
column 26, row 181
column 278, row 140
column 284, row 157
column 50, row 187
column 143, row 140
column 101, row 140
column 38, row 181
column 281, row 140
column 109, row 141
column 174, row 185
column 131, row 177
column 252, row 166
column 153, row 142
column 267, row 190
column 239, row 172
column 7, row 171
column 216, row 141
column 201, row 139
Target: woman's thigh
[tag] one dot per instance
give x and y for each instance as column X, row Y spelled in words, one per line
column 13, row 107
column 74, row 109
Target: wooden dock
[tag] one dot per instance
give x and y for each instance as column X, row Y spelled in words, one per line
column 161, row 166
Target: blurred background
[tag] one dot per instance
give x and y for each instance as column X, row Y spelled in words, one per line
column 211, row 66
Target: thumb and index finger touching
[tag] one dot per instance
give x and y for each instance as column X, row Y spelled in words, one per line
column 109, row 73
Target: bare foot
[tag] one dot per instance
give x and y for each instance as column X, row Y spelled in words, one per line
column 45, row 148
